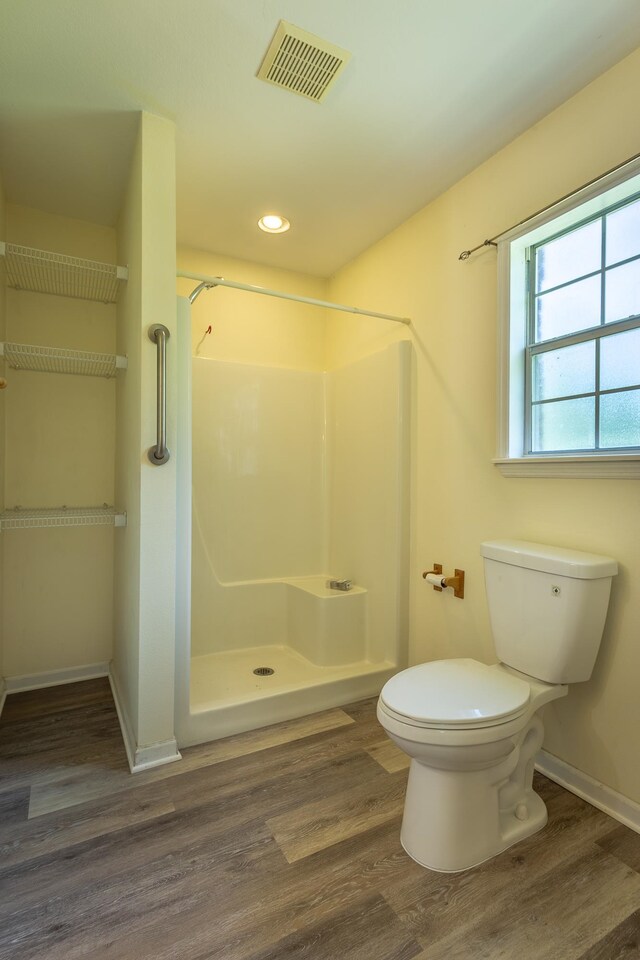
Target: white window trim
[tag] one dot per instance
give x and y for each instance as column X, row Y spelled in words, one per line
column 511, row 461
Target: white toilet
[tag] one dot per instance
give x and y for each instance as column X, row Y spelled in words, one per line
column 471, row 730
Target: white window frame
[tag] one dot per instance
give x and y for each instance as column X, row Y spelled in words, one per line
column 511, row 459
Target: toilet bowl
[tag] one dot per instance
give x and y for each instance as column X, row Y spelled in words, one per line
column 469, row 794
column 473, row 731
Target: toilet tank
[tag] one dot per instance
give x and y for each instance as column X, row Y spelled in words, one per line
column 547, row 606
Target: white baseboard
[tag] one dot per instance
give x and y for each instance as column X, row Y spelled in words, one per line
column 53, row 678
column 616, row 805
column 3, row 693
column 155, row 755
column 145, row 757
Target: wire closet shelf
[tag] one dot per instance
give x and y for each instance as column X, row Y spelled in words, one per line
column 20, row 518
column 42, row 271
column 27, row 356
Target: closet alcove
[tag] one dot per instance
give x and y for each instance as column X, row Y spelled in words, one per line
column 59, row 366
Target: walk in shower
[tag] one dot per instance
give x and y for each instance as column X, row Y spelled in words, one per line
column 288, row 479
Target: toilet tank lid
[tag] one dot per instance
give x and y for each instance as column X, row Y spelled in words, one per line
column 557, row 560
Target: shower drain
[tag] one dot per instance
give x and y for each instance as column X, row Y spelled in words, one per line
column 264, row 671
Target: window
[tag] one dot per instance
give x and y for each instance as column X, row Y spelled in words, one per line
column 570, row 338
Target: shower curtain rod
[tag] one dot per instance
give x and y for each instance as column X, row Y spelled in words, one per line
column 208, row 282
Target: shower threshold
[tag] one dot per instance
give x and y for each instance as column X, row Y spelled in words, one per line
column 227, row 697
column 228, row 677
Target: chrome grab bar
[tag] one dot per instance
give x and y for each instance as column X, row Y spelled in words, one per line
column 159, row 454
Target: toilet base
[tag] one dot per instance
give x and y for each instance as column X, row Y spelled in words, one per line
column 456, row 819
column 432, row 855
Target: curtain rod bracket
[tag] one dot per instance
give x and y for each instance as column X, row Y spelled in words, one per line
column 485, row 243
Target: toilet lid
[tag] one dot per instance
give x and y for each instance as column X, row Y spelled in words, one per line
column 455, row 692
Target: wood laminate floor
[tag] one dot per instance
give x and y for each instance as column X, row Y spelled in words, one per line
column 279, row 843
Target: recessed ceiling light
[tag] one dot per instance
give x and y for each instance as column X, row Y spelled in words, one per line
column 272, row 223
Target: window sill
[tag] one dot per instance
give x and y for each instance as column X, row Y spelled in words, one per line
column 622, row 467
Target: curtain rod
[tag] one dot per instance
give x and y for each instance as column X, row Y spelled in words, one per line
column 209, row 282
column 492, row 241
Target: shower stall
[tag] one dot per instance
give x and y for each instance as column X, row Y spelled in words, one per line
column 288, row 479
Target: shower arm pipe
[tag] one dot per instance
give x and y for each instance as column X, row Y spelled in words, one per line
column 207, row 283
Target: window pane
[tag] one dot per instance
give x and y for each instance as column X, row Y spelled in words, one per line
column 569, row 257
column 623, row 233
column 622, row 293
column 620, row 419
column 571, row 308
column 620, row 360
column 564, row 425
column 561, row 373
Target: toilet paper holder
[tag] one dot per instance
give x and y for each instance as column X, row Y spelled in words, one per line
column 456, row 582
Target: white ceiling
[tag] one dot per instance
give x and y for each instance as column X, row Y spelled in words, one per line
column 433, row 88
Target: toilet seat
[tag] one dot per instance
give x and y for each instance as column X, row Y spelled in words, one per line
column 461, row 694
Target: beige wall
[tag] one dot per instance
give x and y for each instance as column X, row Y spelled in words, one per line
column 250, row 328
column 57, row 608
column 458, row 496
column 145, row 560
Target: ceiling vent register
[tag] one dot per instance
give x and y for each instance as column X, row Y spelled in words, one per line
column 302, row 63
